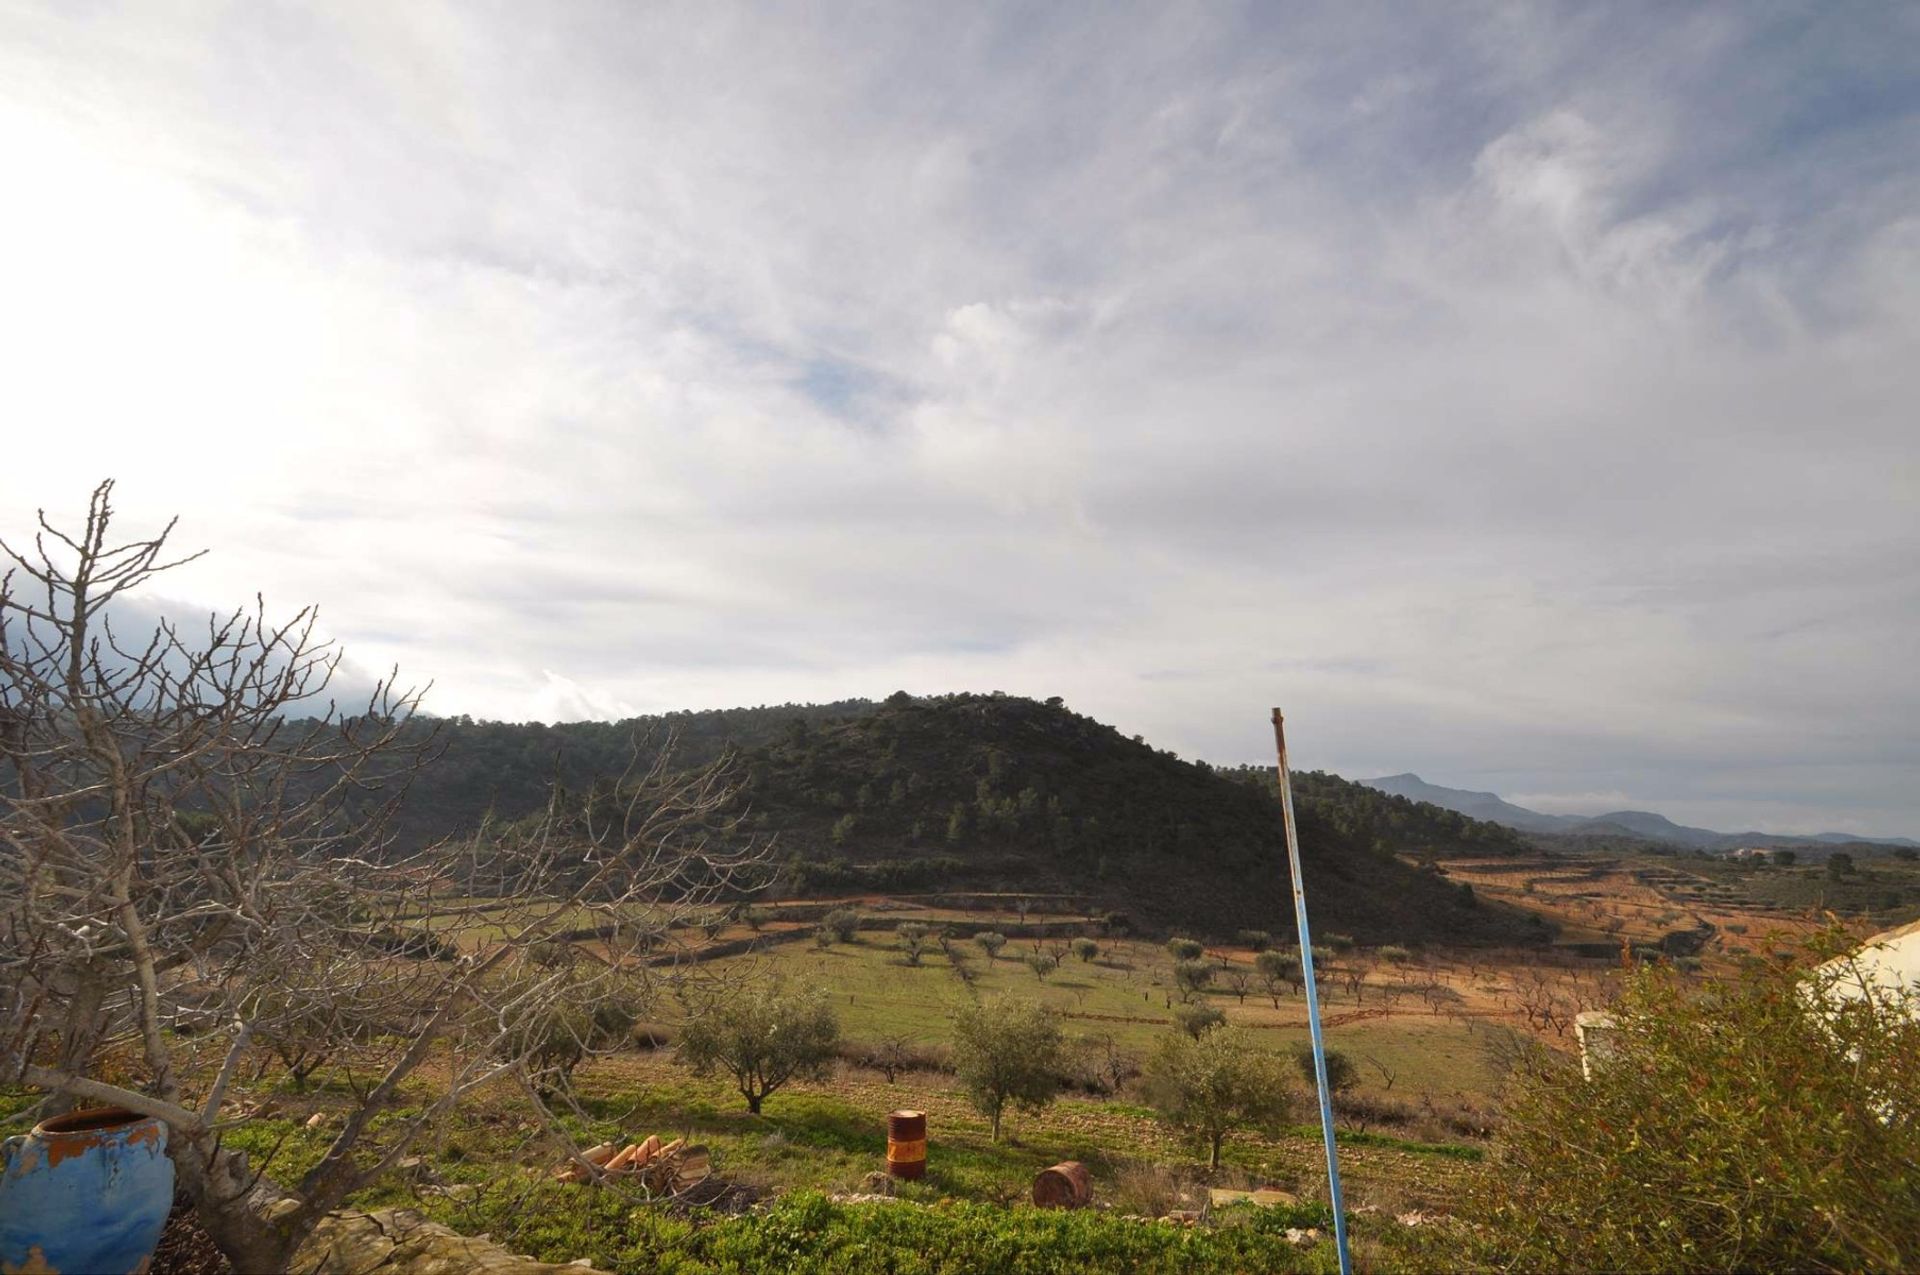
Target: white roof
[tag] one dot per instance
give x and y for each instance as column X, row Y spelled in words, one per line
column 1890, row 960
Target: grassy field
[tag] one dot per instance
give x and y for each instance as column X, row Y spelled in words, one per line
column 1431, row 1033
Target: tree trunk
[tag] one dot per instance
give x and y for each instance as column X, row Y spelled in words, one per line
column 996, row 1125
column 79, row 1039
column 1215, row 1140
column 234, row 1214
column 753, row 1102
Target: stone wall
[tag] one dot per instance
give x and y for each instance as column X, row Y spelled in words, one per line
column 401, row 1242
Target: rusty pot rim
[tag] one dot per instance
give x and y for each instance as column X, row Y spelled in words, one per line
column 90, row 1122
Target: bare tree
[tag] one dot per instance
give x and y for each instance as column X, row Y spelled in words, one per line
column 187, row 865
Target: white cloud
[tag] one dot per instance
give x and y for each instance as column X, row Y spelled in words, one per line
column 1481, row 388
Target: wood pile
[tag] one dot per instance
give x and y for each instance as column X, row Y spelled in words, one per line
column 662, row 1167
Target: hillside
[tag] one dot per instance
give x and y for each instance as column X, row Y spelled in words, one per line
column 990, row 793
column 510, row 768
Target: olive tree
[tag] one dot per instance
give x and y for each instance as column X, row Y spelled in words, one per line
column 1277, row 970
column 991, row 941
column 762, row 1037
column 195, row 855
column 1192, row 977
column 1215, row 1084
column 913, row 940
column 1007, row 1053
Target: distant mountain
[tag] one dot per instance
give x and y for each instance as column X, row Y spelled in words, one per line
column 1475, row 805
column 1643, row 824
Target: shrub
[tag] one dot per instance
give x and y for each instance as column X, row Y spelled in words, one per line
column 1197, row 1020
column 1763, row 1122
column 762, row 1037
column 844, row 922
column 1341, row 1073
column 1007, row 1053
column 1210, row 1086
column 1256, row 940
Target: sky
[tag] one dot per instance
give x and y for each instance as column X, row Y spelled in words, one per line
column 1517, row 394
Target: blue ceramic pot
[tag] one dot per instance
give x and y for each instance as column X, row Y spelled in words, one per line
column 88, row 1191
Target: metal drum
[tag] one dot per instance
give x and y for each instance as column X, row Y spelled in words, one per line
column 907, row 1144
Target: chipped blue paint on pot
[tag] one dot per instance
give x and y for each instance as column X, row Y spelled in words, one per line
column 88, row 1191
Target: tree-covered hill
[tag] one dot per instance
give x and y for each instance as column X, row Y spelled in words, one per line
column 995, row 792
column 991, row 792
column 509, row 769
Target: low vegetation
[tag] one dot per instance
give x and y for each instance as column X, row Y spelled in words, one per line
column 1770, row 1121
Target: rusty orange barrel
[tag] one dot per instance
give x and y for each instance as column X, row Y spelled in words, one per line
column 907, row 1144
column 1066, row 1185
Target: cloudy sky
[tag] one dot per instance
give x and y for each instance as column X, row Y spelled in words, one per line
column 1519, row 395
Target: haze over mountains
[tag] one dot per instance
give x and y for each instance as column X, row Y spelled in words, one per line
column 1644, row 824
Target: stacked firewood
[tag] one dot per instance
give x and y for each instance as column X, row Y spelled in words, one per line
column 662, row 1167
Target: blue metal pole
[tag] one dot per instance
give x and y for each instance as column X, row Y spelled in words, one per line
column 1313, row 998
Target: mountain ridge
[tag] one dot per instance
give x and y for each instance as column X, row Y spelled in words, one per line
column 1645, row 824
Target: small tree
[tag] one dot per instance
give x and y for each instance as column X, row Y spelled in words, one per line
column 1256, row 940
column 913, row 939
column 1839, row 864
column 1086, row 949
column 1042, row 964
column 1192, row 977
column 991, row 941
column 1782, row 858
column 1007, row 1053
column 1342, row 1075
column 1239, row 980
column 1197, row 1020
column 1276, row 969
column 762, row 1037
column 1185, row 949
column 1207, row 1087
column 823, row 938
column 844, row 922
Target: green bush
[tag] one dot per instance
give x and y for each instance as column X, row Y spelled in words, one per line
column 1763, row 1122
column 1197, row 1020
column 1342, row 1074
column 807, row 1234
